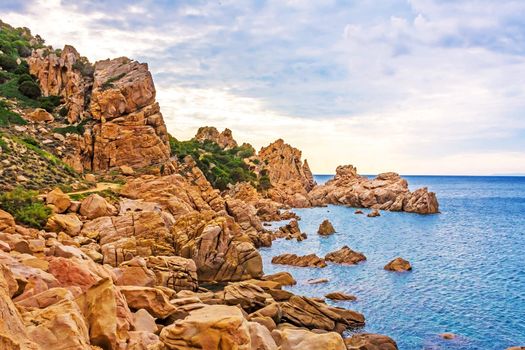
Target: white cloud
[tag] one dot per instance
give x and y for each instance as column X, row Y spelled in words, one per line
column 426, row 87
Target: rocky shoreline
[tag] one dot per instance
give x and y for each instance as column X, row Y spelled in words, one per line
column 149, row 248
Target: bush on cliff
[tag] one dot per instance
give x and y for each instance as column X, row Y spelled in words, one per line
column 8, row 117
column 30, row 89
column 221, row 167
column 25, row 207
column 8, row 63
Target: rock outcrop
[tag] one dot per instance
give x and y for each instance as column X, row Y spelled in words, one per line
column 388, row 191
column 209, row 133
column 291, row 178
column 67, row 75
column 340, row 296
column 130, row 129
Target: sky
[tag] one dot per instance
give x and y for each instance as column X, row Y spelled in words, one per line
column 412, row 86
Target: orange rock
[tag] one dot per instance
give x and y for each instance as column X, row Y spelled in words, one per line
column 398, row 265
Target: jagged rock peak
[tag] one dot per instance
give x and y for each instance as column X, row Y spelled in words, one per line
column 63, row 73
column 284, row 164
column 223, row 139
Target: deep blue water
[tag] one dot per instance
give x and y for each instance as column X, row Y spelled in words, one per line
column 468, row 263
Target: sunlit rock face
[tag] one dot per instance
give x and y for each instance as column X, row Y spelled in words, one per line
column 291, row 178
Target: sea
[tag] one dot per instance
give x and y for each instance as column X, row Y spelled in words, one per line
column 468, row 262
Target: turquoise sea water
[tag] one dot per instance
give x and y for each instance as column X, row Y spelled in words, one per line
column 468, row 263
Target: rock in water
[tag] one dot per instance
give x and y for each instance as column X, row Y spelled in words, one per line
column 340, row 296
column 374, row 213
column 388, row 191
column 345, row 255
column 398, row 265
column 310, row 260
column 326, row 228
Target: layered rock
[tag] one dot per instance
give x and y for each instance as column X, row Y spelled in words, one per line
column 326, row 228
column 388, row 191
column 209, row 133
column 291, row 178
column 63, row 75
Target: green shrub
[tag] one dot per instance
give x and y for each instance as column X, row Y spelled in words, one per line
column 4, row 77
column 71, row 129
column 25, row 207
column 24, row 77
column 8, row 62
column 49, row 103
column 221, row 167
column 8, row 117
column 30, row 89
column 23, row 68
column 264, row 182
column 63, row 112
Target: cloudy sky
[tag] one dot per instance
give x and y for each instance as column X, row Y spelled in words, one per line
column 415, row 86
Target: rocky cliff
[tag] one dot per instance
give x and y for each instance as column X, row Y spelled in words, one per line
column 115, row 100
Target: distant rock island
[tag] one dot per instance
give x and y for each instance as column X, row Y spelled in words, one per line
column 115, row 235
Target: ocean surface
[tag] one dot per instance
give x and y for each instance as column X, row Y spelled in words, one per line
column 468, row 264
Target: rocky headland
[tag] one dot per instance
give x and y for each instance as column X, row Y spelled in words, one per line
column 115, row 235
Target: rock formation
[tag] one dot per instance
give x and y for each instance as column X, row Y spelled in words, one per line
column 370, row 341
column 291, row 178
column 388, row 191
column 209, row 133
column 340, row 296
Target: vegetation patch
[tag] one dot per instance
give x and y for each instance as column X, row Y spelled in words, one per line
column 8, row 117
column 221, row 167
column 25, row 207
column 72, row 129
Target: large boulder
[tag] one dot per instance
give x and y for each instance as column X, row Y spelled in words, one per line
column 95, row 206
column 40, row 115
column 68, row 223
column 290, row 338
column 59, row 200
column 153, row 300
column 174, row 272
column 217, row 327
column 7, row 222
column 60, row 326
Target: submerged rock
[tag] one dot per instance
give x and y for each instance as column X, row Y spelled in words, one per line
column 398, row 265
